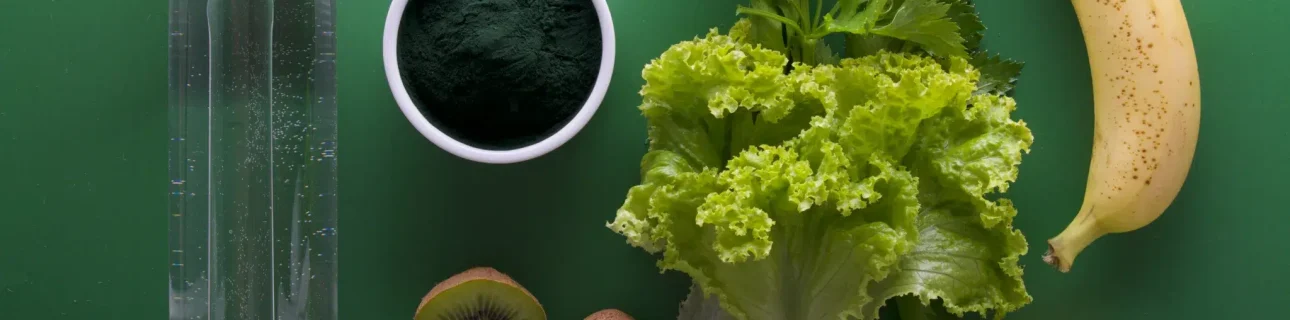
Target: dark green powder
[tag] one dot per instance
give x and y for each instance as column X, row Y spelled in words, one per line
column 499, row 74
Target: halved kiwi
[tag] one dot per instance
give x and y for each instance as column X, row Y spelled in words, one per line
column 480, row 293
column 609, row 314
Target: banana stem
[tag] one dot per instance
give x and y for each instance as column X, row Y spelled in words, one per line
column 1063, row 248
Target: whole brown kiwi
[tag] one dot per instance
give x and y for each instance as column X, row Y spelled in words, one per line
column 609, row 314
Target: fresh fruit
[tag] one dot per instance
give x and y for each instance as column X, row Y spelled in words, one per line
column 1146, row 90
column 609, row 314
column 479, row 293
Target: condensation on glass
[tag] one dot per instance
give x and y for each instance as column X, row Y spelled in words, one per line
column 253, row 157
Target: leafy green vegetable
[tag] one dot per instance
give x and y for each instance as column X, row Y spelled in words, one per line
column 824, row 191
column 697, row 306
column 766, row 32
column 850, row 17
column 944, row 28
column 926, row 22
column 970, row 27
column 790, row 183
column 998, row 75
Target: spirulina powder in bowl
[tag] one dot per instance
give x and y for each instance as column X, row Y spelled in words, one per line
column 499, row 74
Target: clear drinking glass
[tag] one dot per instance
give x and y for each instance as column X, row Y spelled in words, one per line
column 253, row 156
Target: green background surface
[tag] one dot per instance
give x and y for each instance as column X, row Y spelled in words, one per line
column 83, row 173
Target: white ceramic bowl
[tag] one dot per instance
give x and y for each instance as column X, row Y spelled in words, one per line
column 439, row 138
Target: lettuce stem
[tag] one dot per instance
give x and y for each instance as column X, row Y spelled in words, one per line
column 770, row 15
column 808, row 50
column 819, row 10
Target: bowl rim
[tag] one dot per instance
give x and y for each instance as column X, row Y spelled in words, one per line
column 390, row 56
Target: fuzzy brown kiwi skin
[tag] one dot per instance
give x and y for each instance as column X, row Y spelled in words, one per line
column 476, row 273
column 609, row 314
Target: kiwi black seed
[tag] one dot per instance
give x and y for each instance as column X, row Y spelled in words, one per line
column 480, row 293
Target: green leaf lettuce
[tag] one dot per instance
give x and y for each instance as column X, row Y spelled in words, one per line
column 825, row 191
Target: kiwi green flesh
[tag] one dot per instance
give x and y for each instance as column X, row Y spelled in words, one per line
column 481, row 299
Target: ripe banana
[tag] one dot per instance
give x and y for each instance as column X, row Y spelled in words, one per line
column 1146, row 91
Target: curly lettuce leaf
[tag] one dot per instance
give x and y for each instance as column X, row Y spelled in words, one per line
column 700, row 93
column 967, row 251
column 823, row 192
